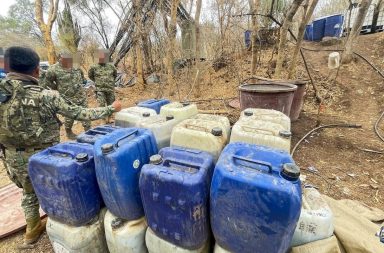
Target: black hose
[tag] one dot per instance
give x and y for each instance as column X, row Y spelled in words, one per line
column 321, row 127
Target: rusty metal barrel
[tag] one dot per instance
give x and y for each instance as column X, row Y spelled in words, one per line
column 267, row 95
column 298, row 99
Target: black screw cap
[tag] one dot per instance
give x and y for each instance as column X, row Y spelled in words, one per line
column 107, row 148
column 291, row 171
column 82, row 157
column 155, row 159
column 217, row 131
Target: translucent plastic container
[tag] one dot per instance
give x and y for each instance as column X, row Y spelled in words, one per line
column 157, row 245
column 272, row 116
column 219, row 249
column 217, row 118
column 161, row 128
column 263, row 133
column 316, row 219
column 132, row 116
column 200, row 134
column 125, row 236
column 84, row 239
column 180, row 111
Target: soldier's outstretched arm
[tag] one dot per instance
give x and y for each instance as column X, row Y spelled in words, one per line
column 60, row 106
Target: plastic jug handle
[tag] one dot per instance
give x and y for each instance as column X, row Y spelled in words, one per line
column 266, row 164
column 258, row 129
column 125, row 137
column 64, row 152
column 195, row 127
column 99, row 132
column 167, row 161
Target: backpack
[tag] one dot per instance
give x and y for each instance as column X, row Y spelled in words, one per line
column 20, row 119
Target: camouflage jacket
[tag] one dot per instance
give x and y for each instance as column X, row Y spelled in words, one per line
column 104, row 76
column 69, row 83
column 34, row 121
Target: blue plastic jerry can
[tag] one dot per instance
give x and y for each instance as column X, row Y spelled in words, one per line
column 119, row 157
column 255, row 199
column 64, row 180
column 175, row 194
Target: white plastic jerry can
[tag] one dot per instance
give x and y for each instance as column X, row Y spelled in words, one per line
column 200, row 134
column 272, row 116
column 157, row 245
column 161, row 127
column 316, row 219
column 125, row 236
column 132, row 116
column 263, row 133
column 223, row 120
column 84, row 239
column 179, row 111
column 219, row 249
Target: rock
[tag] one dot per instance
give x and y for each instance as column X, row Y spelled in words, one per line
column 330, row 41
column 374, row 186
column 153, row 79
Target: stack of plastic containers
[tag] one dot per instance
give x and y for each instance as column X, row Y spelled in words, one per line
column 263, row 127
column 119, row 158
column 255, row 199
column 202, row 134
column 179, row 111
column 175, row 194
column 154, row 104
column 64, row 180
column 132, row 116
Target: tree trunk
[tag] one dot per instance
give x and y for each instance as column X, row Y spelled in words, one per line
column 376, row 13
column 254, row 6
column 283, row 36
column 147, row 47
column 198, row 48
column 306, row 17
column 46, row 28
column 139, row 43
column 347, row 57
column 172, row 29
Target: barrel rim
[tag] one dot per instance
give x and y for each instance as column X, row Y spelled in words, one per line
column 289, row 87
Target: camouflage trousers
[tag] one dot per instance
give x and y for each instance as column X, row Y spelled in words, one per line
column 68, row 122
column 16, row 164
column 105, row 98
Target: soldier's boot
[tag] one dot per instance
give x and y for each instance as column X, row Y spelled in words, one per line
column 35, row 228
column 70, row 134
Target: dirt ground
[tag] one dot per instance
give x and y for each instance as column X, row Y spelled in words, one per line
column 331, row 159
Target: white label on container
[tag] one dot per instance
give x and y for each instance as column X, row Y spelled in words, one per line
column 136, row 164
column 58, row 248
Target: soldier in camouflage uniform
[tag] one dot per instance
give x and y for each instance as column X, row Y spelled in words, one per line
column 69, row 82
column 28, row 124
column 104, row 75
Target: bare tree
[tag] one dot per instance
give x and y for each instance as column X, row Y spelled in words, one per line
column 172, row 29
column 376, row 14
column 254, row 6
column 46, row 28
column 138, row 42
column 309, row 8
column 283, row 36
column 347, row 57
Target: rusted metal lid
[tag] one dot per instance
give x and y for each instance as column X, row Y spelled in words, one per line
column 217, row 131
column 265, row 87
